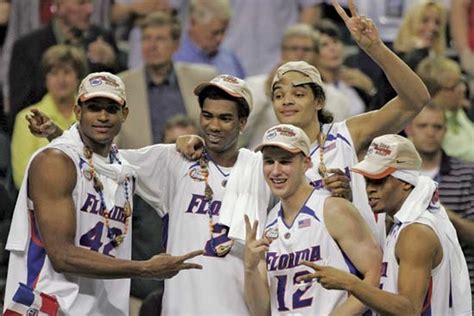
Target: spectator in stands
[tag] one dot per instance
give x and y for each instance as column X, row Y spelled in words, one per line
column 299, row 42
column 29, row 15
column 443, row 79
column 462, row 29
column 455, row 177
column 71, row 25
column 176, row 126
column 64, row 67
column 422, row 33
column 201, row 43
column 256, row 27
column 127, row 16
column 352, row 82
column 161, row 88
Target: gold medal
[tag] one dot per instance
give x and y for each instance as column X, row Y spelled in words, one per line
column 127, row 209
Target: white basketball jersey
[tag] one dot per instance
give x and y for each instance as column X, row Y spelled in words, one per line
column 339, row 153
column 439, row 296
column 79, row 295
column 218, row 288
column 305, row 239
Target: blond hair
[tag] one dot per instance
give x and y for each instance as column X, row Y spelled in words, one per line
column 432, row 70
column 406, row 35
column 301, row 30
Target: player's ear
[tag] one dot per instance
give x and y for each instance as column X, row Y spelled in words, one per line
column 77, row 112
column 125, row 114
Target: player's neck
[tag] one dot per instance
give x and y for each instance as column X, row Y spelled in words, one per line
column 226, row 158
column 312, row 130
column 293, row 204
column 97, row 148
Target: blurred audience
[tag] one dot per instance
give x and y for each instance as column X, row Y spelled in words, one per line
column 299, row 42
column 455, row 177
column 353, row 83
column 161, row 88
column 201, row 42
column 29, row 15
column 462, row 30
column 422, row 33
column 70, row 25
column 444, row 81
column 64, row 67
column 176, row 126
column 126, row 16
column 256, row 28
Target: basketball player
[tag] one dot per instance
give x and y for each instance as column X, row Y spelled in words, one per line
column 192, row 193
column 424, row 270
column 309, row 225
column 70, row 237
column 298, row 99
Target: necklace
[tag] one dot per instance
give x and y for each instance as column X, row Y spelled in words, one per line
column 223, row 249
column 322, row 166
column 99, row 188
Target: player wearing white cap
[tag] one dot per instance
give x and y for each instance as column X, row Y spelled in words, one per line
column 191, row 194
column 424, row 270
column 307, row 225
column 298, row 98
column 70, row 241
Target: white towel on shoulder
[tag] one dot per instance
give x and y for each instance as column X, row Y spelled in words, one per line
column 422, row 199
column 246, row 193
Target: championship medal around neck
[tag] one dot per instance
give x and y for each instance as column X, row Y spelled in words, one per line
column 91, row 174
column 224, row 248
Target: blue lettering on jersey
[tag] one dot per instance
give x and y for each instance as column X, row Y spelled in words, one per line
column 92, row 205
column 198, row 205
column 277, row 261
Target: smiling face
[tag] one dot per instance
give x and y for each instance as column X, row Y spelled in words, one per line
column 295, row 105
column 100, row 120
column 284, row 171
column 221, row 125
column 428, row 27
column 386, row 195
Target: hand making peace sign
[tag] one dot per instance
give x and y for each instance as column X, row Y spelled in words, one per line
column 362, row 28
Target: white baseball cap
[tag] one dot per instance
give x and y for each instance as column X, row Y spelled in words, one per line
column 102, row 84
column 388, row 154
column 311, row 72
column 288, row 137
column 234, row 86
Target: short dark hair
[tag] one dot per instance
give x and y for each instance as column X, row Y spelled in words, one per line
column 215, row 93
column 329, row 28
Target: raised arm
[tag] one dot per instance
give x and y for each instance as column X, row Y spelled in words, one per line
column 412, row 94
column 257, row 293
column 52, row 178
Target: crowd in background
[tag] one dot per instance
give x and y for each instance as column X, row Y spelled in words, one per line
column 162, row 49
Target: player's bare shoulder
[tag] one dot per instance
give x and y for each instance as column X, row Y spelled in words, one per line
column 52, row 168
